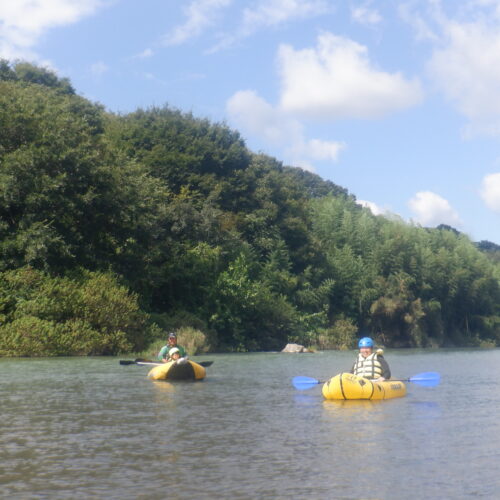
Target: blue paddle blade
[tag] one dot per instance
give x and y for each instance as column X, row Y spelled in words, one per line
column 426, row 379
column 302, row 383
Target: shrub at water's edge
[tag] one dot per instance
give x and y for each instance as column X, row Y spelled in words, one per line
column 193, row 340
column 342, row 336
column 89, row 314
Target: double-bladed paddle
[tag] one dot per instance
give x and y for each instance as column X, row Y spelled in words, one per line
column 426, row 379
column 140, row 361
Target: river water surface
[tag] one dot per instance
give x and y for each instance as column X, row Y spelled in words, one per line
column 91, row 428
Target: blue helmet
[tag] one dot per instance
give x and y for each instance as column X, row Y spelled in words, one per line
column 365, row 342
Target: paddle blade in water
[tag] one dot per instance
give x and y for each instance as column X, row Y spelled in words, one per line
column 427, row 379
column 302, row 383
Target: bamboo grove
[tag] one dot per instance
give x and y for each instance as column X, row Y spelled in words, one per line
column 117, row 228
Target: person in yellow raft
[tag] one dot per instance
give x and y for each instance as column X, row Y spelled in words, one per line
column 175, row 355
column 164, row 354
column 369, row 364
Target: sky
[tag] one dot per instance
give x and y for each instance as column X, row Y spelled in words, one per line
column 398, row 101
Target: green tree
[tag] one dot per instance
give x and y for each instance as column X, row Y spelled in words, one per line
column 90, row 313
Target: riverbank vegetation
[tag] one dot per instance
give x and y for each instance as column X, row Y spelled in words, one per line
column 115, row 229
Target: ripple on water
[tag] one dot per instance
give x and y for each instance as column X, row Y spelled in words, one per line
column 91, row 428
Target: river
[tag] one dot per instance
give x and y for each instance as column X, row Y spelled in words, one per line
column 91, row 428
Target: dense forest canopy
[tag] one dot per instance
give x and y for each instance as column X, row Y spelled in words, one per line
column 116, row 228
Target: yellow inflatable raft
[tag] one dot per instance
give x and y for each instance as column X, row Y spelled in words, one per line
column 173, row 370
column 349, row 386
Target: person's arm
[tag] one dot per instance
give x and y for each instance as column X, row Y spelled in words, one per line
column 386, row 371
column 162, row 355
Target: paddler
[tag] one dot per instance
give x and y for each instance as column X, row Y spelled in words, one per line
column 163, row 355
column 175, row 355
column 369, row 364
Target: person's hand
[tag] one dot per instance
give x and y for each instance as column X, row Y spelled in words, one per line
column 380, row 379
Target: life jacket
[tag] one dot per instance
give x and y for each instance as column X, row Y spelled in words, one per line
column 368, row 367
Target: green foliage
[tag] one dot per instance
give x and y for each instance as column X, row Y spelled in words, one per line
column 180, row 149
column 88, row 314
column 341, row 335
column 50, row 176
column 117, row 229
column 32, row 336
column 247, row 314
column 193, row 340
column 28, row 73
column 178, row 319
column 410, row 286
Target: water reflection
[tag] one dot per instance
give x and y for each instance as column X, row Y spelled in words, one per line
column 425, row 409
column 302, row 399
column 162, row 386
column 351, row 405
column 93, row 429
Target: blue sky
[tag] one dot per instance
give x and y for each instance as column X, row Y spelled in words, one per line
column 397, row 101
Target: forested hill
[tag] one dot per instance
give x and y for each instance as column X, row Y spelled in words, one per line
column 117, row 228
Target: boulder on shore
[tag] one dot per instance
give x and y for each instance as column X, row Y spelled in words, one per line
column 295, row 348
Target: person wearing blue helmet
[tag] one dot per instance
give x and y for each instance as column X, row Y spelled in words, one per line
column 369, row 364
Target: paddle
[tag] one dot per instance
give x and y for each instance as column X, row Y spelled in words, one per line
column 132, row 362
column 135, row 361
column 426, row 379
column 139, row 360
column 205, row 363
column 302, row 383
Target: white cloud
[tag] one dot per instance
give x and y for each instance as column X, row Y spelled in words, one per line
column 200, row 14
column 467, row 70
column 304, row 153
column 490, row 191
column 23, row 22
column 145, row 54
column 465, row 62
column 270, row 13
column 366, row 15
column 423, row 26
column 487, row 3
column 255, row 116
column 259, row 118
column 99, row 68
column 431, row 209
column 374, row 208
column 323, row 150
column 274, row 12
column 337, row 80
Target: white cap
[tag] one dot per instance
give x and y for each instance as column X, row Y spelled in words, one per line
column 173, row 351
